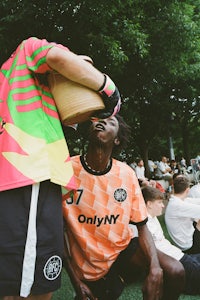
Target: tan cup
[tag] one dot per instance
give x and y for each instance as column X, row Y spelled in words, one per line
column 75, row 103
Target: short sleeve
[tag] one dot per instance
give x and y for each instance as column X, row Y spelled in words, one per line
column 139, row 210
column 35, row 53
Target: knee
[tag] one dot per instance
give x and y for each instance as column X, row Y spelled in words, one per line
column 177, row 273
column 179, row 270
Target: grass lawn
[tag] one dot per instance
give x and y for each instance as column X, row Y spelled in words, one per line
column 131, row 292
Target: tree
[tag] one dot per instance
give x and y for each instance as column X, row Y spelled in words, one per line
column 150, row 48
column 173, row 57
column 186, row 108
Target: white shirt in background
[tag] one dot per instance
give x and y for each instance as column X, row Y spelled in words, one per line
column 179, row 217
column 160, row 241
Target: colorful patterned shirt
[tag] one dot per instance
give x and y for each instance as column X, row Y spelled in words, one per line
column 32, row 144
column 98, row 215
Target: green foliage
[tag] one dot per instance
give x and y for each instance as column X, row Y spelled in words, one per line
column 150, row 48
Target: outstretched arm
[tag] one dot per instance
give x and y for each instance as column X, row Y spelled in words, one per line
column 75, row 68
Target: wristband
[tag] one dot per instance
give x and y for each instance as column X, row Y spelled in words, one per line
column 108, row 86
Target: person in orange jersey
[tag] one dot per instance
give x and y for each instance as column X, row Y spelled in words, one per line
column 100, row 244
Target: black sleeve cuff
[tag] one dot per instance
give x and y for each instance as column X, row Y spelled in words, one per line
column 139, row 223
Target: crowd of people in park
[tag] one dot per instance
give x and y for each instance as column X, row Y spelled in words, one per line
column 92, row 214
column 189, row 258
column 162, row 171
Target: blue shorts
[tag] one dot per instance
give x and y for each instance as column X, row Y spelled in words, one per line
column 191, row 263
column 14, row 213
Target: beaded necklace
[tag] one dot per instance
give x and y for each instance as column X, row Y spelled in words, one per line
column 95, row 171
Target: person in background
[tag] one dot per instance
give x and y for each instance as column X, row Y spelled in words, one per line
column 191, row 262
column 180, row 215
column 133, row 165
column 140, row 173
column 100, row 246
column 183, row 163
column 35, row 163
column 152, row 168
column 194, row 191
column 175, row 168
column 163, row 170
column 144, row 181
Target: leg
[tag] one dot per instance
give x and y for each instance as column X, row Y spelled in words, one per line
column 38, row 297
column 174, row 273
column 196, row 240
column 174, row 276
column 41, row 297
column 49, row 241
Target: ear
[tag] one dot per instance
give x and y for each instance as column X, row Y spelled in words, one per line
column 116, row 141
column 148, row 204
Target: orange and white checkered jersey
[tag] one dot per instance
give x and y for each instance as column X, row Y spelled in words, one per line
column 98, row 214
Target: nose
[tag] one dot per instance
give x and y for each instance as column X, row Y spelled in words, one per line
column 96, row 121
column 103, row 121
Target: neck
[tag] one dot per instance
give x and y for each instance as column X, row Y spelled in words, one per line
column 150, row 214
column 97, row 166
column 97, row 157
column 180, row 196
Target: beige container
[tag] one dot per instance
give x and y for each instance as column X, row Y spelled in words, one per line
column 75, row 103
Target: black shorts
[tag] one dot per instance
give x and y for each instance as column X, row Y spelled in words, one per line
column 196, row 243
column 191, row 265
column 112, row 284
column 14, row 216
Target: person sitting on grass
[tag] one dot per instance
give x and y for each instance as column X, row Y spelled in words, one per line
column 140, row 173
column 180, row 216
column 191, row 262
column 100, row 245
column 143, row 181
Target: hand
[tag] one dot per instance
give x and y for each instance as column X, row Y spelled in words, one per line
column 83, row 292
column 153, row 286
column 111, row 98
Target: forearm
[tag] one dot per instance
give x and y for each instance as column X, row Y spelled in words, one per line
column 68, row 264
column 81, row 289
column 153, row 286
column 75, row 68
column 72, row 274
column 188, row 210
column 147, row 245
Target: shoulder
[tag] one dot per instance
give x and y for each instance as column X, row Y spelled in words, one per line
column 122, row 165
column 33, row 43
column 173, row 200
column 125, row 172
column 34, row 40
column 195, row 191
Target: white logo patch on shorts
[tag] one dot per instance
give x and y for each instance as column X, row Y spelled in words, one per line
column 53, row 267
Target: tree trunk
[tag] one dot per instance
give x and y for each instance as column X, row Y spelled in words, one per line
column 144, row 150
column 186, row 144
